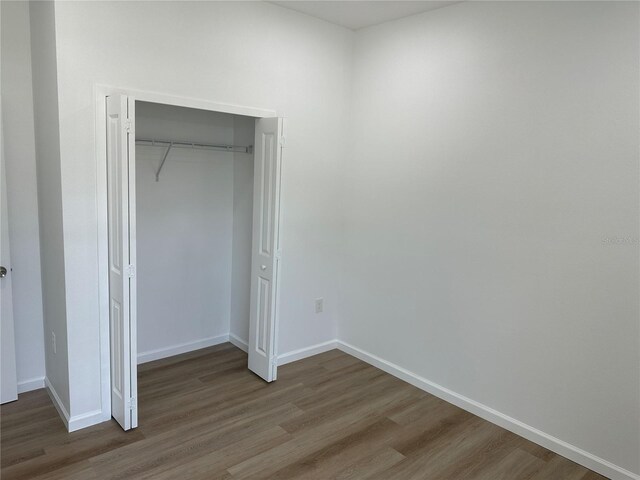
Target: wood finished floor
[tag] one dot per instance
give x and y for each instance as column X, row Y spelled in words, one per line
column 204, row 416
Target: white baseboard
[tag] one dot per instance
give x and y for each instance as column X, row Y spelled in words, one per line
column 76, row 422
column 238, row 342
column 57, row 402
column 301, row 353
column 554, row 444
column 292, row 356
column 172, row 350
column 30, row 384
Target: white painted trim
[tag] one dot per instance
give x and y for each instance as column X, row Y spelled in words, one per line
column 30, row 384
column 77, row 421
column 57, row 402
column 238, row 342
column 88, row 419
column 305, row 352
column 554, row 444
column 188, row 102
column 103, row 248
column 172, row 350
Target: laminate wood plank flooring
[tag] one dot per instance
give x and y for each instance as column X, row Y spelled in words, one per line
column 203, row 415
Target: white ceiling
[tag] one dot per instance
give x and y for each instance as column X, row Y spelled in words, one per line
column 356, row 14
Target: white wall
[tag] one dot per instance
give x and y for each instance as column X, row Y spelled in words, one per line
column 243, row 53
column 244, row 134
column 185, row 229
column 19, row 147
column 48, row 165
column 496, row 148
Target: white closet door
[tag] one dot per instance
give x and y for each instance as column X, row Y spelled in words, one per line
column 8, row 381
column 266, row 248
column 121, row 231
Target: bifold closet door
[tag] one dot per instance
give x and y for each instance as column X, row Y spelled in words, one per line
column 121, row 244
column 265, row 263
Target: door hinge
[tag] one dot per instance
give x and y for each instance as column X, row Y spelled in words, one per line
column 133, row 403
column 127, row 125
column 131, row 271
column 278, row 254
column 282, row 141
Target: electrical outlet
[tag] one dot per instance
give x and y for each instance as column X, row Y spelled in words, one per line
column 53, row 342
column 319, row 305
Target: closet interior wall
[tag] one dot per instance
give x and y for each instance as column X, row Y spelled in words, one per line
column 193, row 230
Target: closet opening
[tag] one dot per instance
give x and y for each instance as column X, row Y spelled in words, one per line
column 193, row 247
column 194, row 193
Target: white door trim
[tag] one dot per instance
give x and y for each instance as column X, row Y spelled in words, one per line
column 9, row 387
column 101, row 92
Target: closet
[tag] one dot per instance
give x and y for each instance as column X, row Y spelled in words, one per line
column 191, row 249
column 194, row 195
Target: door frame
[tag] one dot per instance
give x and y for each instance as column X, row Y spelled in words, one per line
column 9, row 373
column 101, row 92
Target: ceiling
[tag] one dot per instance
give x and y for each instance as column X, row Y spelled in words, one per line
column 356, row 14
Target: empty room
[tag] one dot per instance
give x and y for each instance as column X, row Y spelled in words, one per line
column 320, row 240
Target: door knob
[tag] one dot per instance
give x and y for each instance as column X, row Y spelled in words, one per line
column 262, row 267
column 3, row 272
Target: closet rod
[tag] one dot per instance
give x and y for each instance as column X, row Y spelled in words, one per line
column 197, row 145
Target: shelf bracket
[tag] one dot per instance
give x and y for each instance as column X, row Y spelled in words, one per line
column 164, row 159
